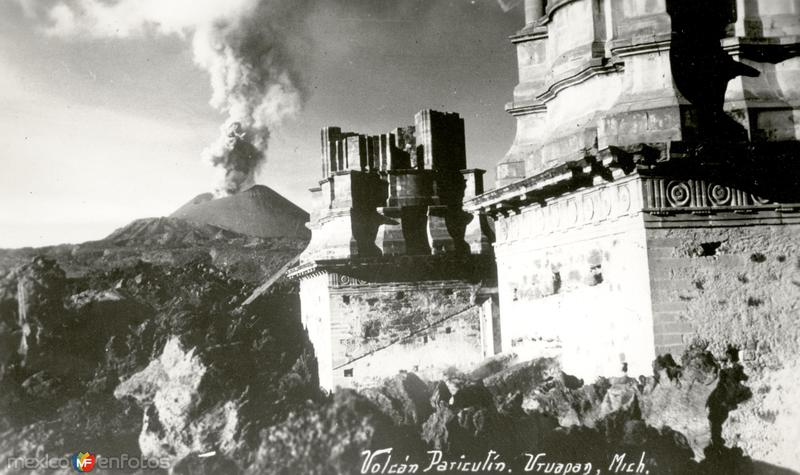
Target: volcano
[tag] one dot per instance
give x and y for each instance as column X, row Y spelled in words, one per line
column 258, row 211
column 251, row 235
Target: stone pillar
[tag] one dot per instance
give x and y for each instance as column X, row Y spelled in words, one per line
column 441, row 136
column 439, row 238
column 405, row 148
column 390, row 239
column 356, row 151
column 373, row 153
column 534, row 9
column 473, row 179
column 491, row 338
column 328, row 138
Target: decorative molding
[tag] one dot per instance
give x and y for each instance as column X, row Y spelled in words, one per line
column 666, row 196
column 769, row 50
column 337, row 280
column 657, row 44
column 597, row 66
column 571, row 211
column 525, row 108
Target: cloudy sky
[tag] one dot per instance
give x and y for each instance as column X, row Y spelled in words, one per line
column 104, row 114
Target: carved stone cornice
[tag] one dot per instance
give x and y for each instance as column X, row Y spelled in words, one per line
column 536, row 189
column 676, row 177
column 767, row 50
column 596, row 66
column 659, row 43
column 531, row 32
column 519, row 108
column 664, row 196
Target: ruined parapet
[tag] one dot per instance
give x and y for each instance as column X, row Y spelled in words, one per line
column 397, row 275
column 441, row 138
column 398, row 193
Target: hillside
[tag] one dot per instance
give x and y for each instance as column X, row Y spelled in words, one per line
column 250, row 235
column 168, row 241
column 259, row 211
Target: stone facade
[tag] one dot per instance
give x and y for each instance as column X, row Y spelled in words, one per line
column 652, row 181
column 397, row 275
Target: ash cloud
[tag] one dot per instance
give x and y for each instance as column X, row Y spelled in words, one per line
column 244, row 45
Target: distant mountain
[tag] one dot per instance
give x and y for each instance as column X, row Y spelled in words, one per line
column 259, row 211
column 250, row 235
column 168, row 241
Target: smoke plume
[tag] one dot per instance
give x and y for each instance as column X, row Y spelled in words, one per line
column 244, row 45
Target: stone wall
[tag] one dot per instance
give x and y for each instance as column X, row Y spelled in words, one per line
column 315, row 314
column 573, row 282
column 434, row 142
column 364, row 332
column 602, row 266
column 735, row 281
column 729, row 283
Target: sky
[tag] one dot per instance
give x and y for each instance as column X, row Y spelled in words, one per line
column 99, row 129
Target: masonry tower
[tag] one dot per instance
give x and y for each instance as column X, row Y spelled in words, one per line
column 397, row 275
column 651, row 194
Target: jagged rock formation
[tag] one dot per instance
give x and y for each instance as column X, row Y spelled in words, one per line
column 331, row 438
column 172, row 343
column 404, row 398
column 40, row 290
column 478, row 416
column 168, row 392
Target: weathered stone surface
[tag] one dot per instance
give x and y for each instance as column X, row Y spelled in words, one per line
column 390, row 278
column 331, row 438
column 765, row 426
column 405, row 398
column 40, row 295
column 366, row 331
column 474, row 423
column 168, row 392
column 679, row 398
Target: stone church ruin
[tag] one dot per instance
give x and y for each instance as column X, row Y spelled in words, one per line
column 649, row 199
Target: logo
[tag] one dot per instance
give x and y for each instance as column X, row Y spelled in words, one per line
column 83, row 461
